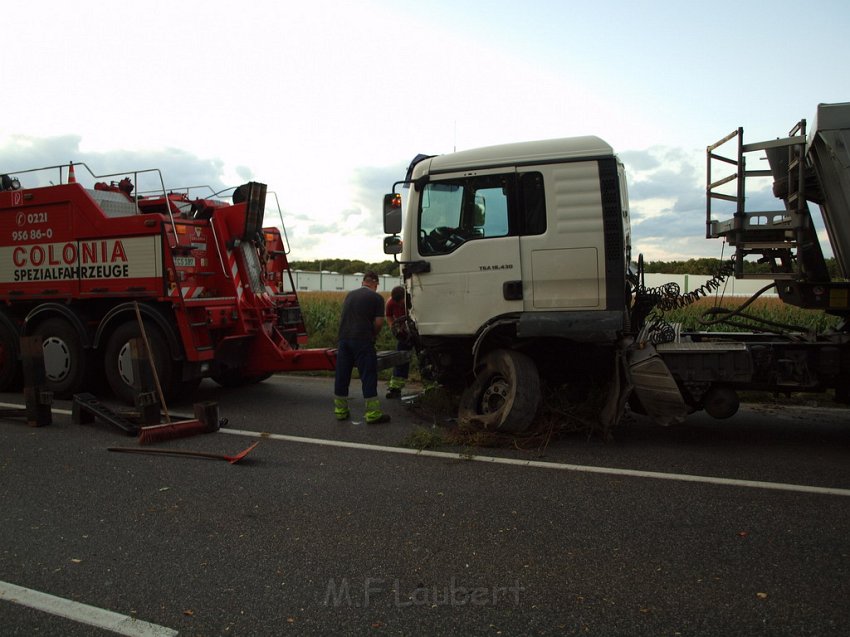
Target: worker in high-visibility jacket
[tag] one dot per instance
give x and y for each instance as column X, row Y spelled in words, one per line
column 397, row 320
column 361, row 321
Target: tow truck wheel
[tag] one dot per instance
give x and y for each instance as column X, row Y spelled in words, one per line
column 505, row 394
column 118, row 360
column 65, row 358
column 10, row 369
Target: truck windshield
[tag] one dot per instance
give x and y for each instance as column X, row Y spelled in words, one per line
column 451, row 213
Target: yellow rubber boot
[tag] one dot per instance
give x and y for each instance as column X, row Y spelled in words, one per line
column 341, row 410
column 374, row 415
column 395, row 386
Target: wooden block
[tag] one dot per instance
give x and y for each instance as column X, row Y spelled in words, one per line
column 207, row 413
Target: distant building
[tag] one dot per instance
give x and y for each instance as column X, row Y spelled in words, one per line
column 690, row 282
column 326, row 281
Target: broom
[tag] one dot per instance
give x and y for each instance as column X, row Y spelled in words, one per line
column 170, row 430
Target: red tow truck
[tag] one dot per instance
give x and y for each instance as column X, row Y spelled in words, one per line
column 81, row 264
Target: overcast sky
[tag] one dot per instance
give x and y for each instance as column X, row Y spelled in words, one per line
column 327, row 102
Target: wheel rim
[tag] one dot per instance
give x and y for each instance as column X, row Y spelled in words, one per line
column 57, row 359
column 494, row 397
column 125, row 364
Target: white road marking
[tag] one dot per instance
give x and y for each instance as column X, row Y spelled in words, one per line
column 634, row 473
column 82, row 613
column 55, row 410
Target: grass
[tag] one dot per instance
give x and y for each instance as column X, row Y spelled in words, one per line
column 424, row 438
column 767, row 309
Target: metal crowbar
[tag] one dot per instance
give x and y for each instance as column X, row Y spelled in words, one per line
column 180, row 452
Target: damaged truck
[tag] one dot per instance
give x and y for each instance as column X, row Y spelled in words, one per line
column 518, row 266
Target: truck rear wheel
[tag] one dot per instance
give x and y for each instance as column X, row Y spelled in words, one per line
column 505, row 394
column 118, row 361
column 65, row 358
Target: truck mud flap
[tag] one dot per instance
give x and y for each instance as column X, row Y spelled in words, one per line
column 391, row 358
column 655, row 387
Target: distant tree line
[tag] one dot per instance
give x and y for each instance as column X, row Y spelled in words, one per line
column 346, row 266
column 707, row 266
column 710, row 267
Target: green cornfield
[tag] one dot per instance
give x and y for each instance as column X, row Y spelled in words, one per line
column 781, row 315
column 321, row 312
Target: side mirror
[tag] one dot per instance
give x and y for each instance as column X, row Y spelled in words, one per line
column 392, row 215
column 392, row 245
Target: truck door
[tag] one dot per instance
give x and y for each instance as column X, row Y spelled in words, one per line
column 465, row 234
column 574, row 241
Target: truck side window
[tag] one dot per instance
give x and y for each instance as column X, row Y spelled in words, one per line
column 456, row 211
column 533, row 219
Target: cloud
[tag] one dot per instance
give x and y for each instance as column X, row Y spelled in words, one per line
column 22, row 152
column 178, row 168
column 667, row 198
column 369, row 185
column 666, row 191
column 639, row 160
column 668, row 205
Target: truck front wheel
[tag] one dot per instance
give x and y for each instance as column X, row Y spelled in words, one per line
column 505, row 395
column 65, row 358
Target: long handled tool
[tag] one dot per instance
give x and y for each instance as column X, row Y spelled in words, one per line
column 151, row 361
column 180, row 452
column 169, row 429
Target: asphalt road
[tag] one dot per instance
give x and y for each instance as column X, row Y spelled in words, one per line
column 306, row 537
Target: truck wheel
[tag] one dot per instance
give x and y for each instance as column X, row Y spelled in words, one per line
column 118, row 361
column 505, row 394
column 10, row 368
column 65, row 358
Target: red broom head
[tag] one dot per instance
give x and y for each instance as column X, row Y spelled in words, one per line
column 183, row 429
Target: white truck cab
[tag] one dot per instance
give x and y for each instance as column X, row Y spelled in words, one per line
column 521, row 247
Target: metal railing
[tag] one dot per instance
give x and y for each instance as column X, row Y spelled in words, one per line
column 759, row 232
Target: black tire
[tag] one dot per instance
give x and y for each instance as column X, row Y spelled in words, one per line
column 66, row 361
column 505, row 395
column 10, row 366
column 117, row 361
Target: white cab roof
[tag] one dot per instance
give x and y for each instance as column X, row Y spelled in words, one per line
column 537, row 152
